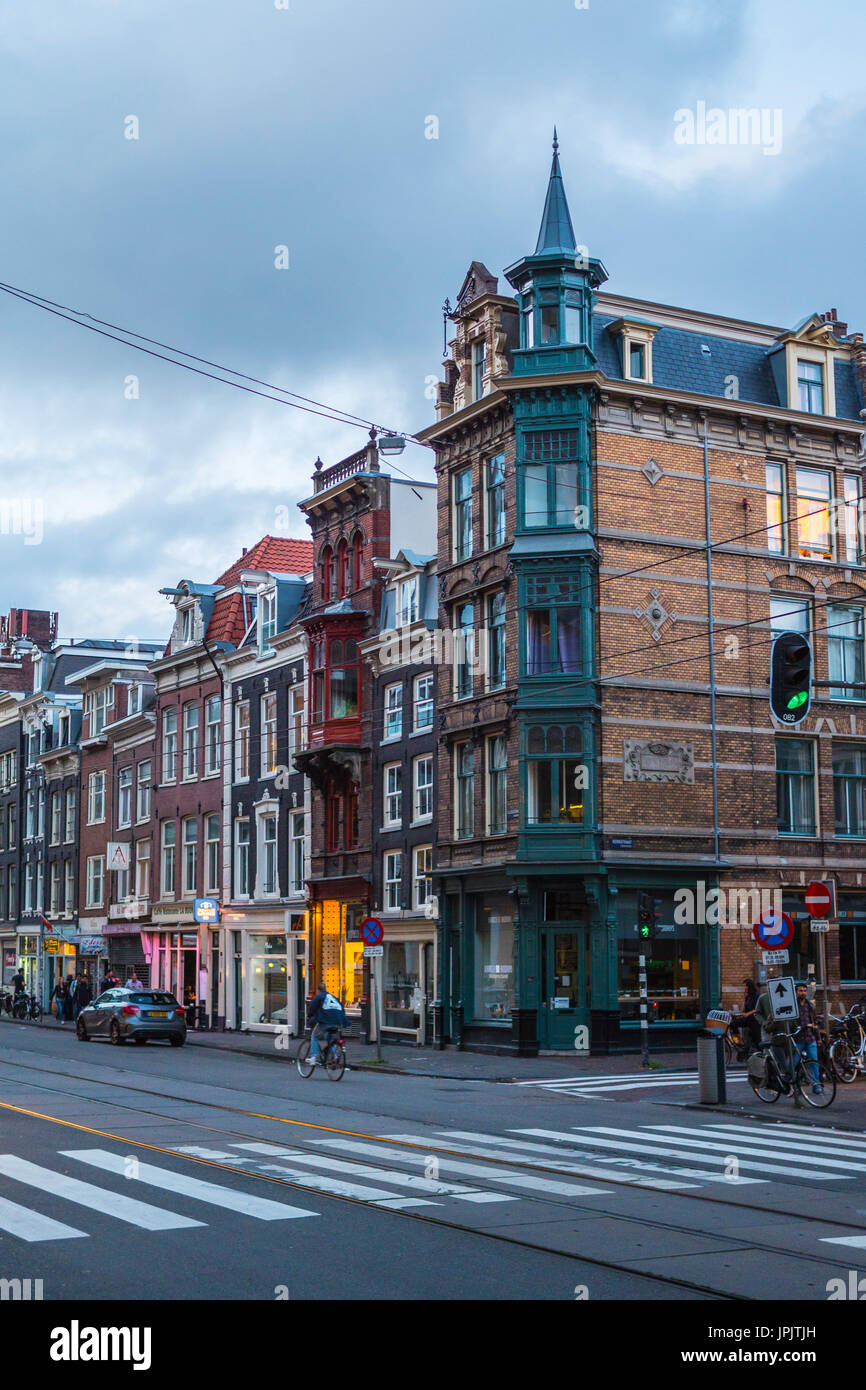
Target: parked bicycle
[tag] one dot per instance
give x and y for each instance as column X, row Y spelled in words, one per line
column 26, row 1006
column 848, row 1048
column 769, row 1081
column 332, row 1056
column 738, row 1044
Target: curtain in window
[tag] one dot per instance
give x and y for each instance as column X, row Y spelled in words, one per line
column 568, row 639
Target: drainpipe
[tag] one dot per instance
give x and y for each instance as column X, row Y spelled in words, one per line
column 712, row 638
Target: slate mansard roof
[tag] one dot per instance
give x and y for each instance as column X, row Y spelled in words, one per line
column 681, row 364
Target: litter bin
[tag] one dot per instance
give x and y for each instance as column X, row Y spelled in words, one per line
column 711, row 1058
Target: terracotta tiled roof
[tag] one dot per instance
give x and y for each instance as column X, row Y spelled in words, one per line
column 276, row 553
column 228, row 622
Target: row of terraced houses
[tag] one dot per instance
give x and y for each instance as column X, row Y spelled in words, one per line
column 501, row 712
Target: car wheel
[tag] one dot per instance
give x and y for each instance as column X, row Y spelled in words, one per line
column 81, row 1030
column 177, row 1042
column 114, row 1033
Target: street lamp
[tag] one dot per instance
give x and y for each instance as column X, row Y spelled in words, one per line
column 389, row 444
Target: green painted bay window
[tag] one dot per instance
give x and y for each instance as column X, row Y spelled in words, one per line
column 553, row 617
column 555, row 775
column 550, row 460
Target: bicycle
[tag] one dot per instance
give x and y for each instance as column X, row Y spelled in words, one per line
column 738, row 1044
column 332, row 1055
column 25, row 1006
column 768, row 1083
column 848, row 1050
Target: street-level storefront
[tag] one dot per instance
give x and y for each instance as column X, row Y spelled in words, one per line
column 266, row 977
column 336, row 951
column 29, row 961
column 92, row 956
column 408, row 980
column 552, row 965
column 178, row 963
column 59, row 962
column 8, row 957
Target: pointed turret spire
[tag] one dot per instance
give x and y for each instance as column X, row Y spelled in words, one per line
column 556, row 232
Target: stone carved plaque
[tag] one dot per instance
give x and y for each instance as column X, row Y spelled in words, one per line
column 657, row 761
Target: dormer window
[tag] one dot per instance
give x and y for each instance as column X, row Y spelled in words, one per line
column 267, row 619
column 810, row 387
column 100, row 702
column 636, row 348
column 409, row 601
column 187, row 625
column 133, row 703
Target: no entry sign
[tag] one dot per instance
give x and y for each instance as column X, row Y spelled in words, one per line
column 820, row 899
column 371, row 931
column 773, row 930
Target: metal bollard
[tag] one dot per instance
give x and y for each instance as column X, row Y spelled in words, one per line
column 711, row 1069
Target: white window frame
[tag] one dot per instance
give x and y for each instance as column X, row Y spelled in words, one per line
column 267, row 619
column 96, row 798
column 95, row 880
column 56, row 817
column 422, row 876
column 212, row 735
column 69, row 806
column 212, row 854
column 168, row 856
column 142, row 791
column 242, row 741
column 297, row 848
column 169, row 746
column 392, row 705
column 417, row 701
column 297, row 720
column 422, row 792
column 189, row 842
column 392, row 883
column 124, row 797
column 142, row 868
column 69, row 888
column 267, row 859
column 241, row 857
column 268, row 733
column 392, row 785
column 407, row 600
column 191, row 722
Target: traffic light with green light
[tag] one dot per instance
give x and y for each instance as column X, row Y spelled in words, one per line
column 646, row 917
column 790, row 677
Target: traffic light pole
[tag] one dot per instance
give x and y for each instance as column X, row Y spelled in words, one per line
column 644, row 1024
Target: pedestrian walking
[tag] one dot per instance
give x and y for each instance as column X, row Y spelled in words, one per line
column 58, row 997
column 69, row 999
column 133, row 982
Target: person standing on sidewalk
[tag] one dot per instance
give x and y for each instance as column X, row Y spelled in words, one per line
column 83, row 994
column 59, row 996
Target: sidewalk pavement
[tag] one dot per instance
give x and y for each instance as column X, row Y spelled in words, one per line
column 450, row 1064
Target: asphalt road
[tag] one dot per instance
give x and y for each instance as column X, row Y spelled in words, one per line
column 156, row 1173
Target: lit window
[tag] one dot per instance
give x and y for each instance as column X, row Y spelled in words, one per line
column 775, row 484
column 813, row 512
column 553, row 774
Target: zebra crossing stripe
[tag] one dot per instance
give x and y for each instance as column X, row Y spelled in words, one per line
column 755, row 1145
column 183, row 1184
column 32, row 1225
column 84, row 1194
column 810, row 1134
column 857, row 1241
column 432, row 1186
column 475, row 1170
column 522, row 1151
column 803, row 1140
column 642, row 1146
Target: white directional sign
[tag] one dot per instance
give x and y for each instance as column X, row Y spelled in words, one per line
column 783, row 999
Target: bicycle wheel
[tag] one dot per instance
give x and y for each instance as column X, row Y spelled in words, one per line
column 826, row 1080
column 335, row 1062
column 729, row 1051
column 305, row 1066
column 36, row 1012
column 843, row 1061
column 761, row 1087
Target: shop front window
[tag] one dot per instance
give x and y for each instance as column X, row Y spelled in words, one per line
column 672, row 964
column 494, row 959
column 268, row 977
column 402, row 985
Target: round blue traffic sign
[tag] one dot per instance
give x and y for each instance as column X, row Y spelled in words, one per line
column 372, row 931
column 773, row 930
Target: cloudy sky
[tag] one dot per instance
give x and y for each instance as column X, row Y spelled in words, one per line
column 304, row 124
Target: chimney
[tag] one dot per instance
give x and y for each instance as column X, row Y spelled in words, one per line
column 839, row 329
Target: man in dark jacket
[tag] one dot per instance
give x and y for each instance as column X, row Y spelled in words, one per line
column 325, row 1015
column 83, row 994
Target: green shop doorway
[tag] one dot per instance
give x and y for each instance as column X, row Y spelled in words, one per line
column 564, row 1006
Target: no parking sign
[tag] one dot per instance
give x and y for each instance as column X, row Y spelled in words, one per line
column 773, row 930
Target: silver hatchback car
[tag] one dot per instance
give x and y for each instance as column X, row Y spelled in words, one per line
column 140, row 1014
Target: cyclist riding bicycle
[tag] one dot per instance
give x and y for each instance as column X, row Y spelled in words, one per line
column 325, row 1016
